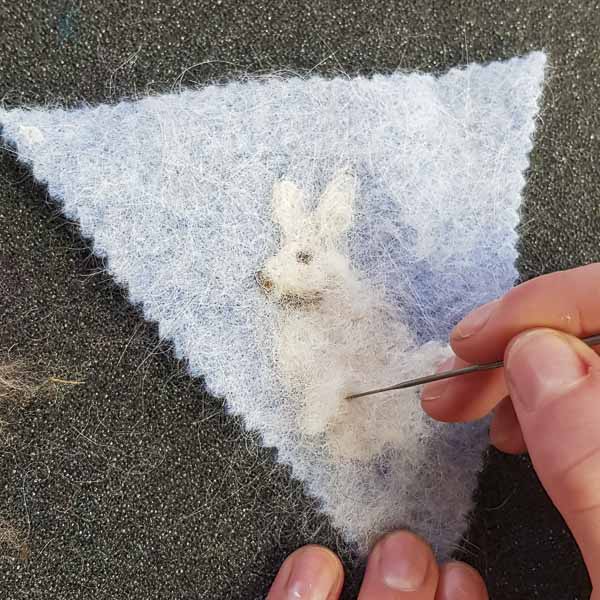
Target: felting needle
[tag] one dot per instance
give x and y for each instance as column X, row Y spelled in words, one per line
column 593, row 340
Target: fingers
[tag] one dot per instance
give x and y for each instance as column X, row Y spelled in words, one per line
column 554, row 383
column 567, row 301
column 459, row 581
column 400, row 566
column 463, row 398
column 505, row 430
column 311, row 572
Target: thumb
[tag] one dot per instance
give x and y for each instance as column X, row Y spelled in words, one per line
column 554, row 383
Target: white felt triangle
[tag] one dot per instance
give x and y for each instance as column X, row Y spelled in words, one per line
column 297, row 239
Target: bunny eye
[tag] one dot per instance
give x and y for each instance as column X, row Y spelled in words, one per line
column 304, row 257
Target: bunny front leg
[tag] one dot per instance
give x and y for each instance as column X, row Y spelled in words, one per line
column 323, row 401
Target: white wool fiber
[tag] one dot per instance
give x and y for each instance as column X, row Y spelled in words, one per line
column 299, row 239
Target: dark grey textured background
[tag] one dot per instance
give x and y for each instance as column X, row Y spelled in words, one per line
column 135, row 484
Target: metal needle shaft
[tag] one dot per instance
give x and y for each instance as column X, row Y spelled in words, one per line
column 593, row 340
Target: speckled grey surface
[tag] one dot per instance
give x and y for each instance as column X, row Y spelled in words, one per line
column 134, row 484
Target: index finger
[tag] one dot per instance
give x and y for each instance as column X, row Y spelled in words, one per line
column 568, row 301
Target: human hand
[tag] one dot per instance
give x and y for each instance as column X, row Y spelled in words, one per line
column 547, row 398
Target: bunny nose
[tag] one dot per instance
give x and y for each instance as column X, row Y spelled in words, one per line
column 264, row 281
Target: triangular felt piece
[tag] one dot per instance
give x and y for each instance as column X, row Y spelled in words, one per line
column 299, row 239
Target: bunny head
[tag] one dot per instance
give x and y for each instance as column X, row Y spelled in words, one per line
column 309, row 262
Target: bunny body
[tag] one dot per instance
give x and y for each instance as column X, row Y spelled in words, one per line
column 337, row 335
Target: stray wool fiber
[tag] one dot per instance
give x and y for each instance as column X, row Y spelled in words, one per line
column 297, row 239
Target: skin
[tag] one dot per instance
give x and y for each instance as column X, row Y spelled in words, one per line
column 545, row 402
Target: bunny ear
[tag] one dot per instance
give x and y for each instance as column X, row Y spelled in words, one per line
column 289, row 207
column 336, row 208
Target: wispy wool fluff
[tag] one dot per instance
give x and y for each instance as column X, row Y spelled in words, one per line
column 299, row 239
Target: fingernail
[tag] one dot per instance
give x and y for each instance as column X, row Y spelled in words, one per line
column 541, row 364
column 474, row 321
column 435, row 390
column 403, row 562
column 314, row 576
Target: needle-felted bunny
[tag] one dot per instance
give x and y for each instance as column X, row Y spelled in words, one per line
column 336, row 333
